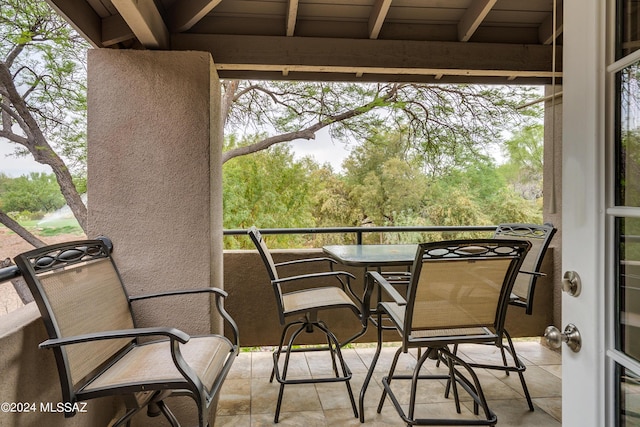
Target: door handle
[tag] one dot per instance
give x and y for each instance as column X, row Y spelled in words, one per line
column 571, row 336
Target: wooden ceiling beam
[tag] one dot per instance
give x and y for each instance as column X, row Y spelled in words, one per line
column 545, row 30
column 377, row 17
column 438, row 73
column 309, row 54
column 144, row 19
column 82, row 18
column 473, row 17
column 185, row 14
column 292, row 17
column 115, row 30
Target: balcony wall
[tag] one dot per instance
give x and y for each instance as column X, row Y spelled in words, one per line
column 252, row 302
column 29, row 376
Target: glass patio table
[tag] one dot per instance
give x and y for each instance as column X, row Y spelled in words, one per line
column 372, row 255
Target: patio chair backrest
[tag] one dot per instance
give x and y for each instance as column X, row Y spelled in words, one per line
column 78, row 291
column 462, row 284
column 540, row 236
column 261, row 245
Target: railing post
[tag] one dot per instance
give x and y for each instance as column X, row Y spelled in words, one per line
column 359, row 237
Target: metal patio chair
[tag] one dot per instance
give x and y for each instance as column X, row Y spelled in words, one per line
column 540, row 236
column 304, row 306
column 97, row 346
column 525, row 283
column 458, row 293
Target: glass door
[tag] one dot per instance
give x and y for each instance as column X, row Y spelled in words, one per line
column 624, row 214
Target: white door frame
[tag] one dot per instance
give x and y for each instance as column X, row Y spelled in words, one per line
column 583, row 207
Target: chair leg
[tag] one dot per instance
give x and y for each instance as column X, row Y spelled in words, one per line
column 155, row 407
column 414, row 381
column 504, row 357
column 333, row 356
column 282, row 337
column 473, row 388
column 389, row 376
column 372, row 366
column 345, row 371
column 451, row 383
column 333, row 346
column 126, row 418
column 168, row 414
column 520, row 369
column 276, row 358
column 455, row 351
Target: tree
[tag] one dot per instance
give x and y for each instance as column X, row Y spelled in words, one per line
column 36, row 192
column 384, row 177
column 42, row 98
column 42, row 91
column 267, row 189
column 525, row 154
column 437, row 119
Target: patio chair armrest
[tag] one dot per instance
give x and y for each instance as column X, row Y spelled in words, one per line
column 219, row 294
column 313, row 276
column 300, row 261
column 386, row 286
column 172, row 333
column 533, row 273
column 217, row 291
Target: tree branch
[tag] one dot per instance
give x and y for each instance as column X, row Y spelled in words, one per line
column 20, row 230
column 310, row 131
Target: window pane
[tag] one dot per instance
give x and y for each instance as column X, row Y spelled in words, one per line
column 629, row 31
column 629, row 395
column 628, row 137
column 628, row 288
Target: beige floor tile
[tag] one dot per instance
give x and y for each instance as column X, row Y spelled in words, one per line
column 294, row 419
column 335, row 395
column 233, row 421
column 241, row 367
column 235, row 397
column 261, row 364
column 553, row 369
column 537, row 353
column 551, row 405
column 540, row 382
column 512, row 413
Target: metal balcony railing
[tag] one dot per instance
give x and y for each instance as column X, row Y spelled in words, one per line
column 361, row 231
column 12, row 272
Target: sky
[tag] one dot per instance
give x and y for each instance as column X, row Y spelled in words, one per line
column 322, row 149
column 17, row 166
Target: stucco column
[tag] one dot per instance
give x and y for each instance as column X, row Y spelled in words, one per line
column 155, row 180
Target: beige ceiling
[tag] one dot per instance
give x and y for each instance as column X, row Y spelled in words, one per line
column 485, row 41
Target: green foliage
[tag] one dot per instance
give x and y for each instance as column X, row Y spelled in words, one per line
column 268, row 189
column 55, row 231
column 436, row 120
column 384, row 179
column 524, row 167
column 386, row 182
column 36, row 192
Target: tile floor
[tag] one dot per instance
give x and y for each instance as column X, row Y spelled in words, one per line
column 248, row 399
